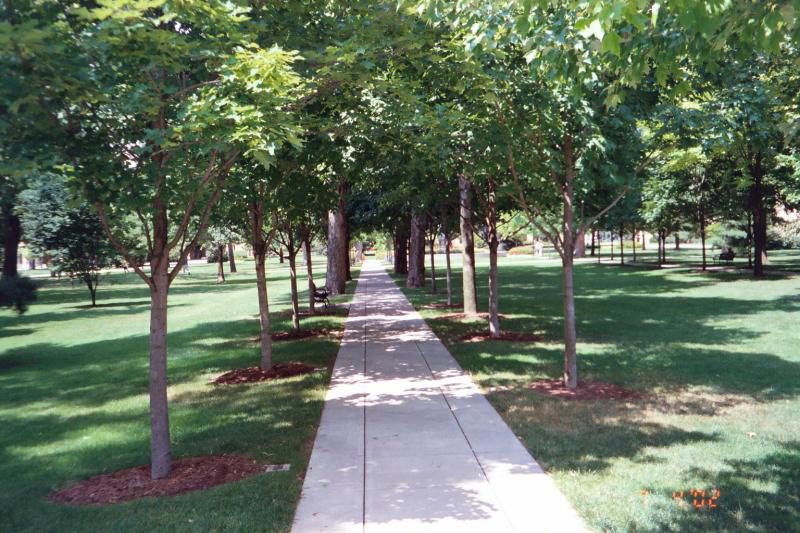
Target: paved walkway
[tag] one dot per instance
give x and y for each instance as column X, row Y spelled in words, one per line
column 408, row 443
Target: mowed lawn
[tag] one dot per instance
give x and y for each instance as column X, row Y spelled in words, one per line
column 73, row 401
column 718, row 356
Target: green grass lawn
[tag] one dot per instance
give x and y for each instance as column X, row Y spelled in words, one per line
column 73, row 401
column 718, row 355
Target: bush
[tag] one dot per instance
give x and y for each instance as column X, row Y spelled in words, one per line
column 17, row 293
column 785, row 235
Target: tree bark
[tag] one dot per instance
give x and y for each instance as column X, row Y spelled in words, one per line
column 749, row 240
column 220, row 264
column 347, row 275
column 633, row 243
column 702, row 235
column 280, row 255
column 643, row 241
column 570, row 334
column 759, row 215
column 677, row 241
column 416, row 263
column 468, row 253
column 292, row 255
column 160, row 455
column 336, row 276
column 449, row 272
column 401, row 248
column 580, row 246
column 491, row 222
column 260, row 255
column 309, row 272
column 433, row 265
column 622, row 245
column 13, row 234
column 594, row 233
column 231, row 258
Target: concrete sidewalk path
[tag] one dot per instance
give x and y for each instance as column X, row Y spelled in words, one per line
column 408, row 443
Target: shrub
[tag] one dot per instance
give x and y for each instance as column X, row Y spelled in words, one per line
column 785, row 235
column 17, row 293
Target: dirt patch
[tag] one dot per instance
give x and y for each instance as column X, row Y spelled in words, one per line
column 509, row 336
column 586, row 390
column 442, row 306
column 304, row 334
column 464, row 316
column 194, row 473
column 255, row 374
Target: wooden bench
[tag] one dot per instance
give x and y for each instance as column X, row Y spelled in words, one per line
column 725, row 255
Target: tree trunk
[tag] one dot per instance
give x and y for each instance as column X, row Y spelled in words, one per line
column 280, row 254
column 309, row 273
column 433, row 265
column 347, row 275
column 677, row 241
column 633, row 243
column 335, row 277
column 401, row 248
column 13, row 233
column 416, row 263
column 160, row 455
column 703, row 235
column 231, row 258
column 612, row 244
column 622, row 245
column 594, row 232
column 491, row 222
column 449, row 272
column 580, row 246
column 292, row 254
column 468, row 242
column 220, row 264
column 749, row 240
column 263, row 307
column 92, row 292
column 570, row 334
column 643, row 240
column 759, row 215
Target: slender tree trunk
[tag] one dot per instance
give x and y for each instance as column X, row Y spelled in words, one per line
column 622, row 245
column 449, row 272
column 491, row 222
column 161, row 459
column 292, row 255
column 594, row 232
column 643, row 240
column 612, row 244
column 468, row 242
column 677, row 241
column 280, row 255
column 401, row 248
column 309, row 272
column 570, row 334
column 92, row 292
column 633, row 244
column 749, row 240
column 13, row 233
column 231, row 258
column 433, row 265
column 703, row 236
column 416, row 263
column 759, row 215
column 263, row 308
column 220, row 264
column 336, row 276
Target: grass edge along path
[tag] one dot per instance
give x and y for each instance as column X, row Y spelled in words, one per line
column 73, row 402
column 718, row 356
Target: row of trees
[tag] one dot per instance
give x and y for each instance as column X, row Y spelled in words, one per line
column 434, row 118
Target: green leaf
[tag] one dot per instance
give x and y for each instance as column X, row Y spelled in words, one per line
column 611, row 43
column 654, row 14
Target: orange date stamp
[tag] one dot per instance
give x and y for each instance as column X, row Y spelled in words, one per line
column 698, row 498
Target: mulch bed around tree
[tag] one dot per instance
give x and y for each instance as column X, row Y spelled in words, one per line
column 304, row 334
column 463, row 316
column 255, row 374
column 442, row 306
column 509, row 336
column 194, row 473
column 586, row 390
